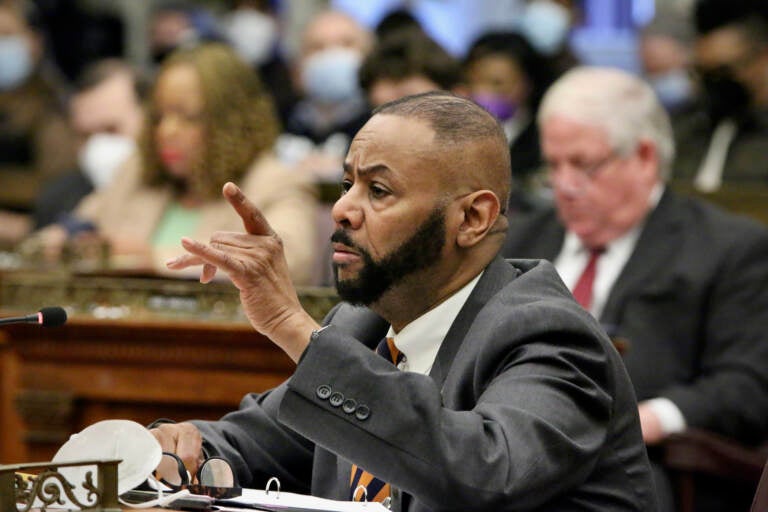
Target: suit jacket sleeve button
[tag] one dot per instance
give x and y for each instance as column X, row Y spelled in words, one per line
column 349, row 406
column 336, row 399
column 362, row 413
column 323, row 391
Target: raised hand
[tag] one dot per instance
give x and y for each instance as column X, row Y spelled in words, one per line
column 255, row 263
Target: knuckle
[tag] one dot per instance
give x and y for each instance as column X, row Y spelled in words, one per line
column 274, row 243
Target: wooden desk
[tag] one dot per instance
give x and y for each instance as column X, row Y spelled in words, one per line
column 147, row 365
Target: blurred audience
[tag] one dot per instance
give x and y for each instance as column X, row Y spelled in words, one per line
column 666, row 54
column 508, row 77
column 725, row 140
column 35, row 141
column 691, row 327
column 252, row 28
column 395, row 22
column 179, row 23
column 105, row 112
column 408, row 62
column 547, row 25
column 333, row 108
column 209, row 121
column 79, row 34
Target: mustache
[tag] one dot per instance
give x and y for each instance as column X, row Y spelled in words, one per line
column 342, row 237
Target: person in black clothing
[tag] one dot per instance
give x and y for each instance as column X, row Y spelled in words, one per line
column 724, row 140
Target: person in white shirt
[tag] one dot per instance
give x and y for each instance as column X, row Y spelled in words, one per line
column 678, row 283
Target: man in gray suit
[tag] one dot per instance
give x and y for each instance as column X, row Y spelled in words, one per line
column 509, row 397
column 679, row 283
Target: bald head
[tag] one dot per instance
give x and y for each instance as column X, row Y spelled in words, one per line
column 468, row 138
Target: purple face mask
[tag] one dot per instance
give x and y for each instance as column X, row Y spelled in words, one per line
column 501, row 108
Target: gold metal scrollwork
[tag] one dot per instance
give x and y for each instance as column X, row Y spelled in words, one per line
column 45, row 488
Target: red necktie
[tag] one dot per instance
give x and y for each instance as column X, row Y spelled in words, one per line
column 376, row 490
column 582, row 292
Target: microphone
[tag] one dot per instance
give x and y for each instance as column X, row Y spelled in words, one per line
column 47, row 317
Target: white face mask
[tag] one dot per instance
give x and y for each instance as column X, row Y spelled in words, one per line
column 252, row 34
column 15, row 62
column 330, row 75
column 546, row 25
column 134, row 445
column 102, row 155
column 673, row 88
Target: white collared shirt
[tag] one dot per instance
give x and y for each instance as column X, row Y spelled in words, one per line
column 420, row 340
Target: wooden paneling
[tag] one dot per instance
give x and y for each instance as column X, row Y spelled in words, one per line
column 57, row 381
column 178, row 350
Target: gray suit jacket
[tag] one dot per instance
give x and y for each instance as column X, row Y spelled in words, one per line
column 527, row 407
column 692, row 301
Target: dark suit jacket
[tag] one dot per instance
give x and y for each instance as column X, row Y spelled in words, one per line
column 527, row 407
column 59, row 197
column 692, row 301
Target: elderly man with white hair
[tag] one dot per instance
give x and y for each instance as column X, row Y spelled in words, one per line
column 678, row 283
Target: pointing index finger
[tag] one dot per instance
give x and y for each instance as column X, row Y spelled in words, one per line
column 253, row 221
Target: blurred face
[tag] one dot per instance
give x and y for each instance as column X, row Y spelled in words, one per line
column 499, row 76
column 599, row 193
column 110, row 107
column 11, row 25
column 390, row 220
column 660, row 54
column 179, row 119
column 168, row 29
column 727, row 51
column 334, row 29
column 386, row 89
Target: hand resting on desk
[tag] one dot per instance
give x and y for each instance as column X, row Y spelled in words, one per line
column 183, row 439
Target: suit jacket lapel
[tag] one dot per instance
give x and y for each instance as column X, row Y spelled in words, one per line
column 496, row 276
column 653, row 252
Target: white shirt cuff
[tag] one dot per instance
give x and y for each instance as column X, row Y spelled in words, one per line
column 668, row 413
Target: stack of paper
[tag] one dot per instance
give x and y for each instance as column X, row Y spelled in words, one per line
column 274, row 501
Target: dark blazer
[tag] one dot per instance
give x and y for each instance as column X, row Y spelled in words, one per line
column 527, row 407
column 692, row 302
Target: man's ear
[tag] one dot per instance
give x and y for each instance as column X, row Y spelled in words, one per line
column 480, row 211
column 648, row 156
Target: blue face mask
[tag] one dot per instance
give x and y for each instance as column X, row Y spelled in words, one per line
column 546, row 25
column 673, row 88
column 15, row 62
column 330, row 76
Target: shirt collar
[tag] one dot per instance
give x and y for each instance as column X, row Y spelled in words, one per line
column 420, row 340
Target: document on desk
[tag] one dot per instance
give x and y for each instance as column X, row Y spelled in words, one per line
column 273, row 501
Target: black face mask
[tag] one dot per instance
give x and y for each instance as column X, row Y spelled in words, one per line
column 726, row 97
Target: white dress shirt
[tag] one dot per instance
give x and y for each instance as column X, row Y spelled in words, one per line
column 420, row 340
column 570, row 263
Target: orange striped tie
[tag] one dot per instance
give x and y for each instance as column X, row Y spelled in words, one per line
column 376, row 490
